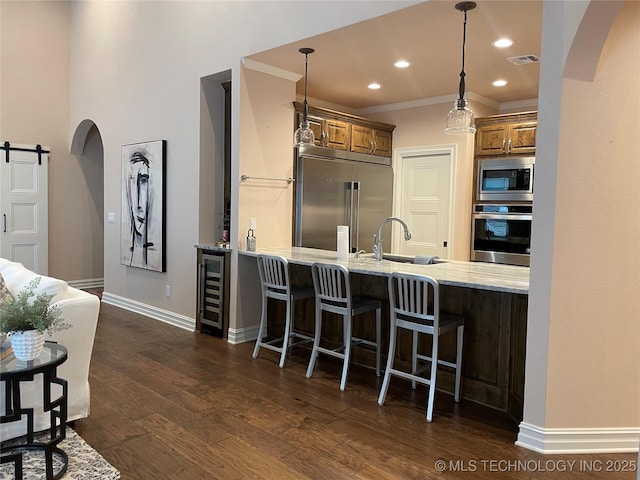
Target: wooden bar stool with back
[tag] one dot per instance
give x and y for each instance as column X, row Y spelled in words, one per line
column 414, row 305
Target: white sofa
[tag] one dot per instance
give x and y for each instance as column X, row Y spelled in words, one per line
column 80, row 309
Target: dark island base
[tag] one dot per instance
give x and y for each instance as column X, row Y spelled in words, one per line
column 494, row 338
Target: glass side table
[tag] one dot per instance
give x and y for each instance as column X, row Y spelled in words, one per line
column 12, row 373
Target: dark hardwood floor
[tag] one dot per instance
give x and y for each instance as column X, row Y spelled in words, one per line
column 171, row 404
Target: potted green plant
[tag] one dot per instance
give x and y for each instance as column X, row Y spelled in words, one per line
column 27, row 317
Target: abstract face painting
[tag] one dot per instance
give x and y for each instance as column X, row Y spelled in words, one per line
column 138, row 198
column 142, row 239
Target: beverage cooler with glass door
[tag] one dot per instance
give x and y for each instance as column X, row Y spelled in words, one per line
column 213, row 295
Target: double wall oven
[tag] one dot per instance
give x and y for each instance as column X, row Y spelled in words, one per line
column 502, row 214
column 501, row 233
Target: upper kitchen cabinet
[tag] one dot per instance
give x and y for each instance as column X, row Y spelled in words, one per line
column 344, row 131
column 507, row 135
column 369, row 140
column 329, row 132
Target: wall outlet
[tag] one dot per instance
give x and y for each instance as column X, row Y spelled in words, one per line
column 252, row 223
column 167, row 290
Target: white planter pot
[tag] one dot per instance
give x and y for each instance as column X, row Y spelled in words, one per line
column 27, row 345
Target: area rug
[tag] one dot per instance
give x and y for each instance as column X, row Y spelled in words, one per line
column 84, row 462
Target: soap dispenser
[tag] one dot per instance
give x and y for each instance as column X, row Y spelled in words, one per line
column 251, row 241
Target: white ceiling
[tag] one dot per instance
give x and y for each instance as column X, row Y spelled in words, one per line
column 429, row 35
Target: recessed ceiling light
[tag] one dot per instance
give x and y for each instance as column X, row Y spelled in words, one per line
column 502, row 43
column 499, row 83
column 401, row 64
column 374, row 86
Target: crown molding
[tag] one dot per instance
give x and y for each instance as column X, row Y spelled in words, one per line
column 425, row 102
column 519, row 105
column 270, row 70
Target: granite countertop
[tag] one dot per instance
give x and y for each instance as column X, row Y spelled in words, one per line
column 485, row 276
column 215, row 248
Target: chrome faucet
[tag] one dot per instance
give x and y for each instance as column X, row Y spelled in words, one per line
column 377, row 240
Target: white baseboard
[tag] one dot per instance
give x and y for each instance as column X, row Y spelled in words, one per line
column 242, row 335
column 156, row 313
column 578, row 440
column 87, row 283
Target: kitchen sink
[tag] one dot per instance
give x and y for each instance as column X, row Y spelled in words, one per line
column 398, row 258
column 402, row 259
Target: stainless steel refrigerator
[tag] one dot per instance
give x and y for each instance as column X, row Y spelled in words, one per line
column 335, row 187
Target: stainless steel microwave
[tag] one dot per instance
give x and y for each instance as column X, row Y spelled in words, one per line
column 505, row 179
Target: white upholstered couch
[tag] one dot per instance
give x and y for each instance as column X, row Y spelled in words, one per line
column 80, row 309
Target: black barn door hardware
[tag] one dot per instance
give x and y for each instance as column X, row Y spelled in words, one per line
column 7, row 148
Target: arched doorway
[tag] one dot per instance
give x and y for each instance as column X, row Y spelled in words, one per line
column 88, row 148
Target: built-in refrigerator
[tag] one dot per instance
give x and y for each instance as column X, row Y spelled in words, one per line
column 335, row 187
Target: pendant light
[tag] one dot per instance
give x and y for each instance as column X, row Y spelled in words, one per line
column 304, row 135
column 460, row 119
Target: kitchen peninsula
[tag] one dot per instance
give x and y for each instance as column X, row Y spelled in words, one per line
column 493, row 299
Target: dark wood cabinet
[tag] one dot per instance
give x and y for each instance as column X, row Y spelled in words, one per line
column 506, row 135
column 495, row 329
column 517, row 356
column 348, row 132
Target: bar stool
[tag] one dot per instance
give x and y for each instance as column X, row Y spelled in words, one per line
column 274, row 277
column 414, row 304
column 333, row 294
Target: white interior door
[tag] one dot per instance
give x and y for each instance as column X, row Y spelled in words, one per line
column 423, row 200
column 24, row 206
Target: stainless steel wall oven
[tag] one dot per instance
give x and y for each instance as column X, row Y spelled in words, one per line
column 501, row 233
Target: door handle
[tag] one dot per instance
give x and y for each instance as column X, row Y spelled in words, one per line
column 4, row 217
column 354, row 245
column 200, row 291
column 351, row 209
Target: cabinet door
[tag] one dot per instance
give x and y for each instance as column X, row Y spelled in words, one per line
column 522, row 138
column 338, row 134
column 361, row 139
column 491, row 139
column 517, row 356
column 382, row 143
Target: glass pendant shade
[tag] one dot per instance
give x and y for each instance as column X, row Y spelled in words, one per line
column 304, row 135
column 460, row 119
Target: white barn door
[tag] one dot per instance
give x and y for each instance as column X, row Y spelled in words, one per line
column 24, row 205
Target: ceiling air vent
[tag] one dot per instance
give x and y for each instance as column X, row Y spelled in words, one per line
column 524, row 59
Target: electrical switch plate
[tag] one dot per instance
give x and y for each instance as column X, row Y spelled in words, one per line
column 111, row 217
column 167, row 290
column 252, row 223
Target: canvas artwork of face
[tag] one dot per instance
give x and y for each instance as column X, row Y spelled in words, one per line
column 142, row 202
column 138, row 193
